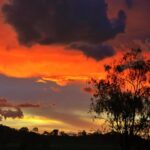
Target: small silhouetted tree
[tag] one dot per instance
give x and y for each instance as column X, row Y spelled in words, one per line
column 46, row 133
column 24, row 129
column 123, row 97
column 55, row 132
column 35, row 129
column 82, row 133
column 62, row 133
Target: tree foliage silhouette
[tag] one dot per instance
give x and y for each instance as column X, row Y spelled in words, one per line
column 123, row 98
column 35, row 129
column 24, row 129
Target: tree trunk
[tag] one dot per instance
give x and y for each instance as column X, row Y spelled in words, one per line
column 125, row 142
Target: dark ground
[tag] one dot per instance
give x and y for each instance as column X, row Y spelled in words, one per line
column 12, row 139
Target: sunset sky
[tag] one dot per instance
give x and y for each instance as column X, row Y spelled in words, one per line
column 50, row 49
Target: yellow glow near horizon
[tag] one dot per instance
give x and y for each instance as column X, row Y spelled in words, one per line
column 40, row 120
column 32, row 121
column 48, row 124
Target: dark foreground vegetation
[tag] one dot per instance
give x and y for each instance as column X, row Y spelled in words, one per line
column 12, row 139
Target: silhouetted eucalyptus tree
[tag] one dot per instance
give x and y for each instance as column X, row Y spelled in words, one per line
column 123, row 98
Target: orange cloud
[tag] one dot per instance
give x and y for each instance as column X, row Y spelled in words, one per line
column 51, row 64
column 48, row 64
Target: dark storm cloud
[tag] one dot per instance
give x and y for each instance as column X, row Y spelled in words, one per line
column 98, row 52
column 129, row 3
column 62, row 21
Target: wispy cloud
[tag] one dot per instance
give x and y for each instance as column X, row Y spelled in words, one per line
column 10, row 110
